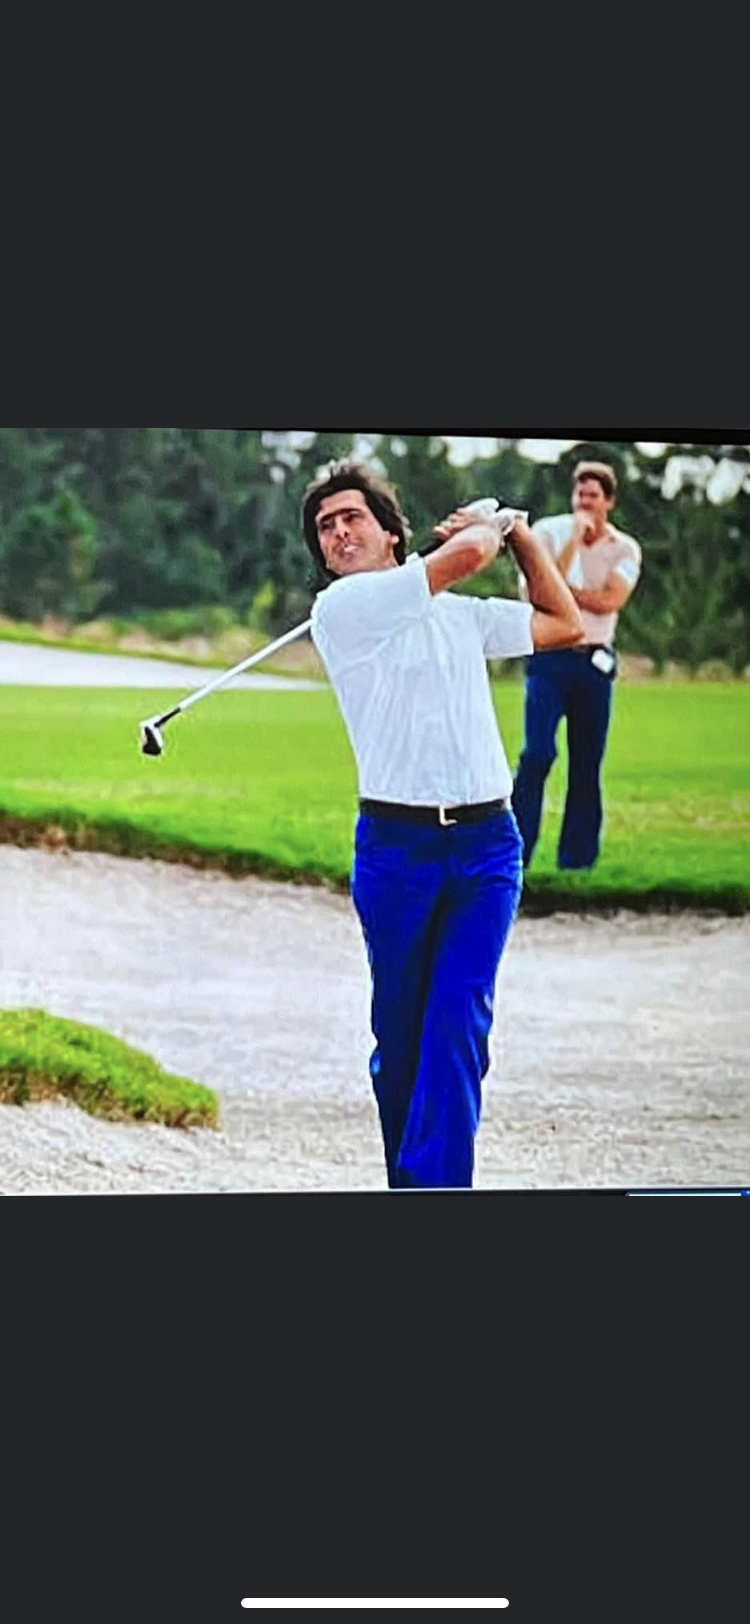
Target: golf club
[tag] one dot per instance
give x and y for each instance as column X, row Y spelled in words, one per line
column 152, row 742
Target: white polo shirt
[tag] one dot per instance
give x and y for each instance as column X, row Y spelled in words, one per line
column 408, row 669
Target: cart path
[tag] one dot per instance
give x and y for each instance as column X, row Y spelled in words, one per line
column 31, row 665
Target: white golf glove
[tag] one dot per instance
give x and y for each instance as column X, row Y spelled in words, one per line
column 488, row 509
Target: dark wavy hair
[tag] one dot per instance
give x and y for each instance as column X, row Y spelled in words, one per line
column 380, row 497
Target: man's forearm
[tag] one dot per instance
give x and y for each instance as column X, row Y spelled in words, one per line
column 567, row 555
column 597, row 603
column 474, row 548
column 546, row 588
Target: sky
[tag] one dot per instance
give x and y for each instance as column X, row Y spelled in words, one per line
column 722, row 480
column 464, row 448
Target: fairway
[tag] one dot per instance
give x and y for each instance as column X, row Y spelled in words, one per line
column 266, row 782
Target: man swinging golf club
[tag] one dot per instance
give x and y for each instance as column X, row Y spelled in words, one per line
column 438, row 858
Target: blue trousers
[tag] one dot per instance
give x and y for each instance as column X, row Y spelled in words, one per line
column 436, row 906
column 564, row 683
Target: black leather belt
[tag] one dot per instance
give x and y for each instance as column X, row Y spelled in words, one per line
column 437, row 816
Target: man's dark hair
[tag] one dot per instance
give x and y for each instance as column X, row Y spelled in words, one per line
column 380, row 497
column 597, row 470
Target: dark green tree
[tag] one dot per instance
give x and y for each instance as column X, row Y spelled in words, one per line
column 48, row 560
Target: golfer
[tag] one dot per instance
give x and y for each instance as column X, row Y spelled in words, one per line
column 438, row 864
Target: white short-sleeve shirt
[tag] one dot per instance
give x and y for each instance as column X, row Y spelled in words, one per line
column 592, row 566
column 409, row 671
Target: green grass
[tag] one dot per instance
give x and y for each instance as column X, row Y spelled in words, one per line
column 265, row 782
column 676, row 798
column 43, row 1056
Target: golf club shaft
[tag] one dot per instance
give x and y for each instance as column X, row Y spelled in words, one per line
column 236, row 671
column 484, row 507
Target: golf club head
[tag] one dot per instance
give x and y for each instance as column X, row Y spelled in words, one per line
column 152, row 743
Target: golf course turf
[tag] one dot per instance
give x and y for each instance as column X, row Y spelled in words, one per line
column 265, row 783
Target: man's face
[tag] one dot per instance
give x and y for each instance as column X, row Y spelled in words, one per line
column 588, row 497
column 350, row 536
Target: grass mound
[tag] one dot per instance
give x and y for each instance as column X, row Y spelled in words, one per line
column 43, row 1056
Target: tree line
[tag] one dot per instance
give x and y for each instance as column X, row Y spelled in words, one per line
column 102, row 522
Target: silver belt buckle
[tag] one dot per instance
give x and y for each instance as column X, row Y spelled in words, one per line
column 445, row 823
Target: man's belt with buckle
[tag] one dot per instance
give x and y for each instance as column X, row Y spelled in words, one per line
column 435, row 816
